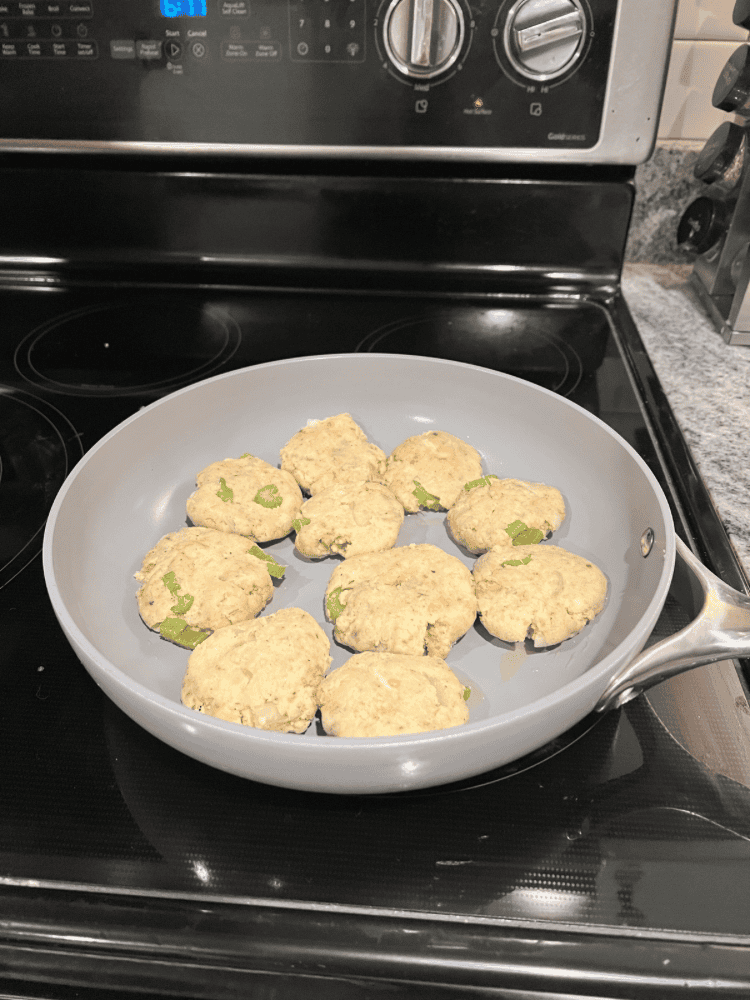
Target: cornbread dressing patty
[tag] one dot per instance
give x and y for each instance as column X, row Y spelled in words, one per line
column 348, row 519
column 245, row 496
column 388, row 694
column 485, row 508
column 262, row 673
column 330, row 451
column 429, row 470
column 413, row 599
column 214, row 580
column 542, row 592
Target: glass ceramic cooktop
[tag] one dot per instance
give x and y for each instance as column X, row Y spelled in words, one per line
column 612, row 826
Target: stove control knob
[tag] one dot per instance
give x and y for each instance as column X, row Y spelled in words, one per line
column 544, row 38
column 423, row 38
column 732, row 90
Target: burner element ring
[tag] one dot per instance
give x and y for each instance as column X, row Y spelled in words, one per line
column 492, row 339
column 153, row 345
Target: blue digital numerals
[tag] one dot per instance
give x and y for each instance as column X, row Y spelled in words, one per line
column 183, row 8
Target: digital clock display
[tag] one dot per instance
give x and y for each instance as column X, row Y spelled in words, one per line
column 183, row 8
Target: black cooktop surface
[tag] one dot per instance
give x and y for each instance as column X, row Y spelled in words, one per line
column 614, row 827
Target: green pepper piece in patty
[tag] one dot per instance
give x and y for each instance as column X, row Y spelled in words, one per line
column 266, row 496
column 274, row 568
column 424, row 498
column 184, row 601
column 225, row 492
column 522, row 535
column 177, row 630
column 334, row 605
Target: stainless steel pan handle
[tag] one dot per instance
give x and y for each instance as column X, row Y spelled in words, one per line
column 721, row 631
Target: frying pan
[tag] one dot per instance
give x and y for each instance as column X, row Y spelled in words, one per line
column 131, row 488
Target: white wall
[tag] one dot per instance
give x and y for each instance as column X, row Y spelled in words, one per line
column 704, row 38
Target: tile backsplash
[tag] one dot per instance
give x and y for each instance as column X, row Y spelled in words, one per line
column 704, row 38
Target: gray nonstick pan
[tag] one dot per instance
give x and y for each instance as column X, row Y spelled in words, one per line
column 131, row 488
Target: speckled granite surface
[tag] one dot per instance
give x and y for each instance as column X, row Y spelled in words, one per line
column 707, row 383
column 664, row 187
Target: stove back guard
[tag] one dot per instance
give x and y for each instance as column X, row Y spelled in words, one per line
column 447, row 234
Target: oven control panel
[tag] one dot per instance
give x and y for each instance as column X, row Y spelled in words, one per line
column 509, row 78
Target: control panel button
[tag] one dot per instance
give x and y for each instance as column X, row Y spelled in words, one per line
column 544, row 38
column 423, row 38
column 148, row 49
column 48, row 49
column 45, row 11
column 327, row 30
column 251, row 51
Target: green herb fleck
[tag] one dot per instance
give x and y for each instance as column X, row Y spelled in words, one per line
column 266, row 496
column 225, row 492
column 484, row 481
column 516, row 562
column 532, row 536
column 299, row 522
column 522, row 535
column 177, row 630
column 424, row 498
column 334, row 605
column 184, row 601
column 467, row 693
column 274, row 568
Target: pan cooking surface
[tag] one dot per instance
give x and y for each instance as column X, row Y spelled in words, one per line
column 146, row 471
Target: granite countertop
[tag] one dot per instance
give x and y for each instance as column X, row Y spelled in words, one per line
column 707, row 383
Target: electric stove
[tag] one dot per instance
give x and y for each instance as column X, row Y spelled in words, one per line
column 190, row 188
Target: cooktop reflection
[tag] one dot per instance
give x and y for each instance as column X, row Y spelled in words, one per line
column 38, row 448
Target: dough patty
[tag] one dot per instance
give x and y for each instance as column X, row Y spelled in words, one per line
column 205, row 577
column 262, row 673
column 428, row 470
column 246, row 496
column 334, row 450
column 386, row 694
column 412, row 599
column 486, row 508
column 540, row 591
column 348, row 519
